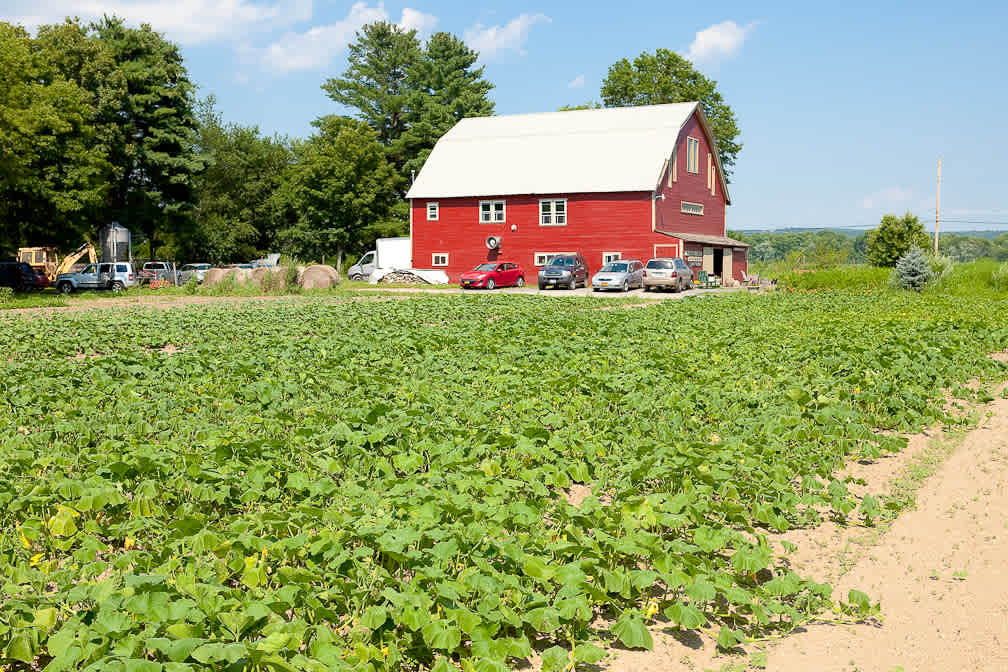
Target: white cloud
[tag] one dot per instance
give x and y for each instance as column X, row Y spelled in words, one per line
column 488, row 40
column 722, row 40
column 316, row 48
column 889, row 198
column 414, row 19
column 185, row 21
column 576, row 83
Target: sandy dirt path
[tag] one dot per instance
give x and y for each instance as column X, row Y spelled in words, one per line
column 940, row 572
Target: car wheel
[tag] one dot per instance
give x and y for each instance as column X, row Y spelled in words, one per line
column 520, row 282
column 65, row 288
column 356, row 277
column 626, row 285
column 491, row 284
column 118, row 286
column 573, row 283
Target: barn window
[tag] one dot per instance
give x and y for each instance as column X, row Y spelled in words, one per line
column 553, row 213
column 673, row 177
column 688, row 208
column 611, row 256
column 692, row 155
column 491, row 211
column 543, row 258
column 432, row 211
column 439, row 259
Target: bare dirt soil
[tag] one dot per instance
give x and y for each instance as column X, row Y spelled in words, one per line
column 151, row 301
column 940, row 572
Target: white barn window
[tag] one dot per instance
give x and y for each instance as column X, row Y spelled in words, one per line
column 439, row 259
column 692, row 155
column 688, row 208
column 553, row 212
column 491, row 211
column 543, row 258
column 611, row 256
column 432, row 211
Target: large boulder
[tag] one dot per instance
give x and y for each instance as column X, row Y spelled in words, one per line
column 318, row 276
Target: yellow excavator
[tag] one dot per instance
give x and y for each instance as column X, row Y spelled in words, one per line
column 42, row 259
column 46, row 259
column 71, row 259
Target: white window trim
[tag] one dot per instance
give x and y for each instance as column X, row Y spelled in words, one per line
column 710, row 175
column 479, row 213
column 692, row 157
column 611, row 256
column 674, row 176
column 685, row 205
column 545, row 256
column 436, row 255
column 553, row 202
column 437, row 211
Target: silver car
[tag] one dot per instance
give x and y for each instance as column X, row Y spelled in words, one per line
column 667, row 273
column 621, row 274
column 193, row 270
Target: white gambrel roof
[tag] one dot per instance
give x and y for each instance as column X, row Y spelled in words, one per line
column 606, row 150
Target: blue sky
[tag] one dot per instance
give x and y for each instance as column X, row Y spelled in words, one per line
column 844, row 108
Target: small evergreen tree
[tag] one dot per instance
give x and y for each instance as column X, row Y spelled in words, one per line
column 913, row 271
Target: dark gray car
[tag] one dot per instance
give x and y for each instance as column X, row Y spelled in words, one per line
column 565, row 270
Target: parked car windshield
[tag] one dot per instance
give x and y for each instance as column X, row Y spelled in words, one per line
column 615, row 268
column 562, row 261
column 660, row 263
column 485, row 267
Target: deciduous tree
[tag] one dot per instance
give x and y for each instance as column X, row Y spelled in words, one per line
column 893, row 238
column 339, row 184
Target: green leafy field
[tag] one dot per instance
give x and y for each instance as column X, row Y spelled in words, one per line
column 325, row 485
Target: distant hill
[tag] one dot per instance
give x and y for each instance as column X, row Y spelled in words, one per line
column 854, row 233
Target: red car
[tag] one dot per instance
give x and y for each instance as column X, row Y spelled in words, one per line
column 43, row 279
column 495, row 274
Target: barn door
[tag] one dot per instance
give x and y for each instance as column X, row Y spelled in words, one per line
column 727, row 274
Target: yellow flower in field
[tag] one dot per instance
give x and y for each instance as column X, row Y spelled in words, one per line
column 652, row 609
column 24, row 541
column 129, row 543
column 384, row 651
column 857, row 390
column 36, row 559
column 715, row 437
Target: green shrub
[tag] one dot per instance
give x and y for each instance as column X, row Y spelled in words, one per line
column 941, row 267
column 913, row 271
column 856, row 278
column 6, row 295
column 191, row 285
column 999, row 278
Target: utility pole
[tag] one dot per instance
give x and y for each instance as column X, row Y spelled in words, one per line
column 937, row 206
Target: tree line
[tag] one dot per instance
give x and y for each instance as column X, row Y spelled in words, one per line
column 100, row 122
column 880, row 246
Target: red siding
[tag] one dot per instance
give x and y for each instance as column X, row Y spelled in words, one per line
column 691, row 187
column 596, row 223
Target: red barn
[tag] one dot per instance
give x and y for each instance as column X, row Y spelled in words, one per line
column 628, row 182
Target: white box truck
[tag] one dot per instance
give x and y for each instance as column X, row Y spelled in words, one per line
column 390, row 254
